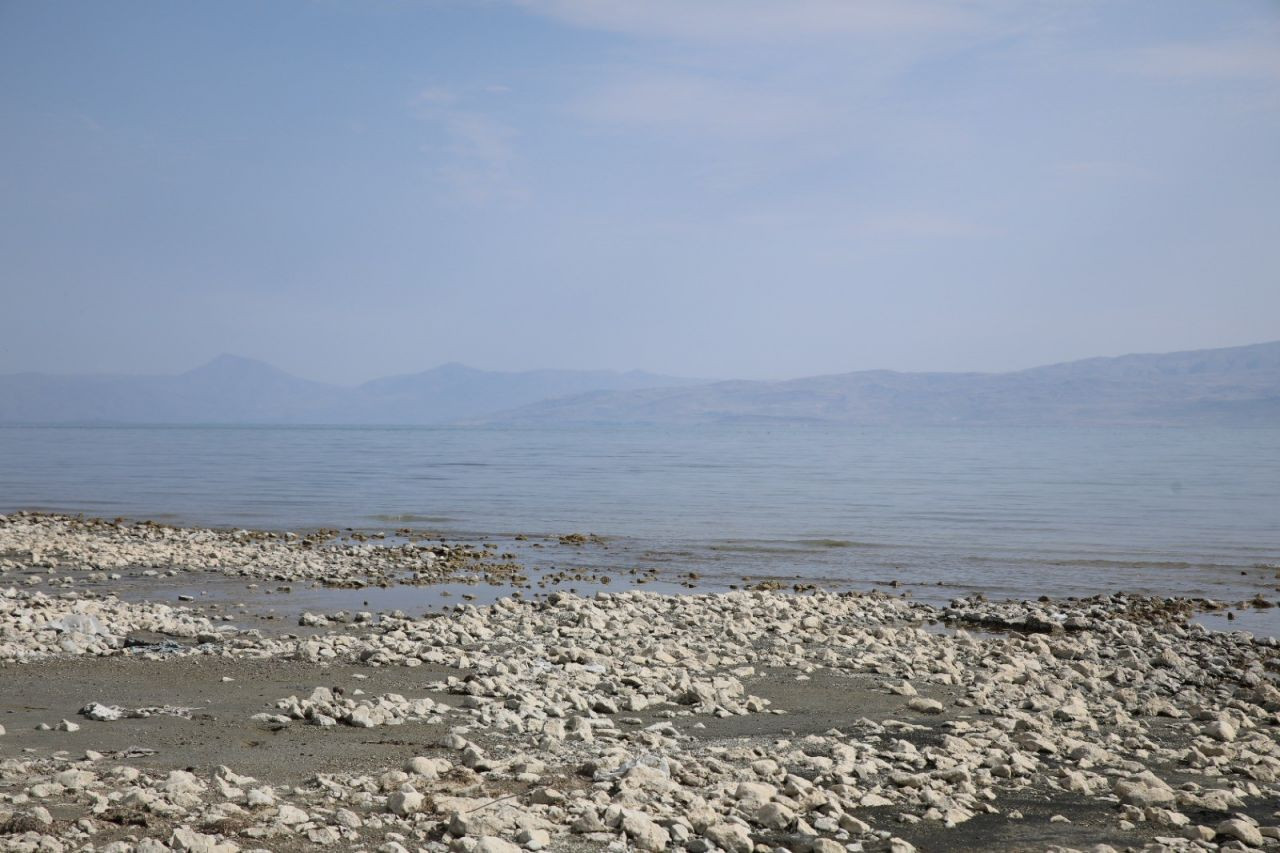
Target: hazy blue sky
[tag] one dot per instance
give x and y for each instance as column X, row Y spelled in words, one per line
column 705, row 187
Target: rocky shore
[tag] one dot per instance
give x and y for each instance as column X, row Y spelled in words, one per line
column 744, row 721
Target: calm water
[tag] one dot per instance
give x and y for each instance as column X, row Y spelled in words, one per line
column 1009, row 511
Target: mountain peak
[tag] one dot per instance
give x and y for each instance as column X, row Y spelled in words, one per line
column 454, row 367
column 228, row 359
column 228, row 364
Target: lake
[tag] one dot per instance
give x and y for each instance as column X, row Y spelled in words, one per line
column 1012, row 512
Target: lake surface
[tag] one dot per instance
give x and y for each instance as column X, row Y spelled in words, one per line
column 1012, row 512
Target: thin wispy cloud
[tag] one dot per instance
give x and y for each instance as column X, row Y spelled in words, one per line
column 1103, row 170
column 828, row 71
column 923, row 225
column 701, row 104
column 473, row 157
column 762, row 20
column 1250, row 58
column 431, row 98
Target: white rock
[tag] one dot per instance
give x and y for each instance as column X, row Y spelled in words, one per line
column 1241, row 830
column 98, row 711
column 197, row 842
column 1144, row 792
column 405, row 802
column 925, row 705
column 644, row 833
column 1221, row 730
column 759, row 792
column 263, row 796
column 534, row 839
column 182, row 782
column 731, row 836
column 775, row 816
column 291, row 815
column 429, row 767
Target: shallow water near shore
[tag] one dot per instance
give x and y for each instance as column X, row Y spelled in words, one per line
column 942, row 511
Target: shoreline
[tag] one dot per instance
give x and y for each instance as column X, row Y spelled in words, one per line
column 278, row 572
column 810, row 721
column 1023, row 559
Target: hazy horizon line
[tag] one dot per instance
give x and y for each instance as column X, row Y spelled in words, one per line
column 700, row 379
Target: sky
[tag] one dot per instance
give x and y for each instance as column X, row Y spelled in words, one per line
column 711, row 188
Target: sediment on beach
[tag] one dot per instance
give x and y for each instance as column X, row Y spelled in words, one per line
column 741, row 721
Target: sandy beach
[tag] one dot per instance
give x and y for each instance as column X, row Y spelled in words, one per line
column 137, row 717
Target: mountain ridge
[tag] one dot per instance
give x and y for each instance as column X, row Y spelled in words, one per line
column 235, row 389
column 1229, row 385
column 1238, row 386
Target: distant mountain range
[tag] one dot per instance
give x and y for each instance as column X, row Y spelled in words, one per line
column 1236, row 386
column 231, row 389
